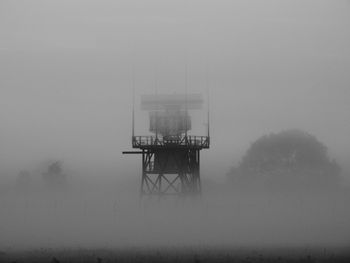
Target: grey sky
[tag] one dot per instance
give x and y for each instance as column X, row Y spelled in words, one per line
column 65, row 74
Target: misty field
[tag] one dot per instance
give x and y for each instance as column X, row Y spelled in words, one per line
column 109, row 223
column 244, row 105
column 178, row 254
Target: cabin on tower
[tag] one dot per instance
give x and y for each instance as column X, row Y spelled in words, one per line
column 170, row 156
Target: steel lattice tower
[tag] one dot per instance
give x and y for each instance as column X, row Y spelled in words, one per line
column 170, row 157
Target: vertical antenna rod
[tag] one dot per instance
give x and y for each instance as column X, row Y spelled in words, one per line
column 208, row 116
column 133, row 103
column 186, row 91
column 157, row 107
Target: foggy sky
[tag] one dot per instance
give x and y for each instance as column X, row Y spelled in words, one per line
column 66, row 78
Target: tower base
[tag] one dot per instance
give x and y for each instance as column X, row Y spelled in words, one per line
column 170, row 172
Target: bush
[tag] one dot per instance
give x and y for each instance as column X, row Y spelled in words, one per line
column 291, row 158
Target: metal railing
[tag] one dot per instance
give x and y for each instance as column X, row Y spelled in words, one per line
column 169, row 141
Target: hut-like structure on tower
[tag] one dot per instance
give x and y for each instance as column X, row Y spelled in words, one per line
column 170, row 156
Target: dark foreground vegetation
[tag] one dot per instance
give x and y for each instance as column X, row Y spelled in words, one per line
column 188, row 254
column 288, row 160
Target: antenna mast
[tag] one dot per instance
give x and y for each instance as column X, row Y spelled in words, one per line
column 133, row 102
column 208, row 114
column 157, row 107
column 186, row 93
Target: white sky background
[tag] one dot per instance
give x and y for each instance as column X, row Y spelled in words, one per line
column 65, row 74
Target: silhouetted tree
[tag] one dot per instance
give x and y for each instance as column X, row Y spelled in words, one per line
column 54, row 177
column 292, row 156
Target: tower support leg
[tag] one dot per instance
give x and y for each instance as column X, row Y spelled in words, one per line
column 170, row 172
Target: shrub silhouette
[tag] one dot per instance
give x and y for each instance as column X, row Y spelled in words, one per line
column 54, row 176
column 292, row 157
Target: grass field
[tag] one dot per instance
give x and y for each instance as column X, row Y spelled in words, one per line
column 176, row 254
column 105, row 225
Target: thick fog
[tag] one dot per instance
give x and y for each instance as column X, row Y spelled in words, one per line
column 67, row 74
